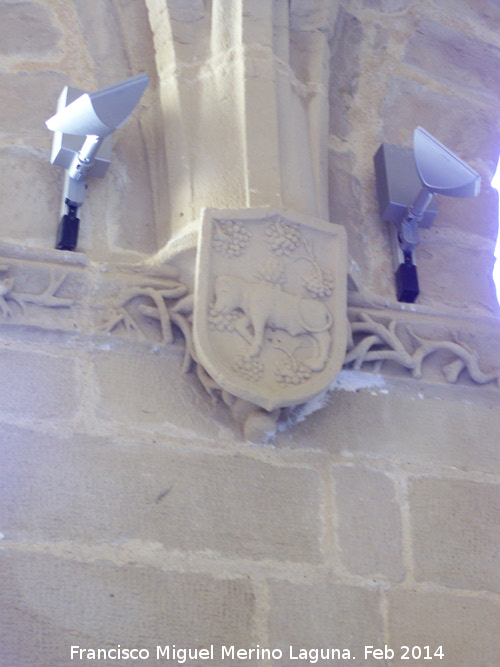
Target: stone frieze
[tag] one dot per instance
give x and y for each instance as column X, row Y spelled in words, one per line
column 65, row 292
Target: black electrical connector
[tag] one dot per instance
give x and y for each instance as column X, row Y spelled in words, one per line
column 67, row 232
column 407, row 288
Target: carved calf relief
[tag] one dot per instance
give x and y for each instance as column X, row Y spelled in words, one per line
column 266, row 305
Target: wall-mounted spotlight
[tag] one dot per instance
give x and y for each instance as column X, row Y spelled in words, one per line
column 94, row 116
column 407, row 181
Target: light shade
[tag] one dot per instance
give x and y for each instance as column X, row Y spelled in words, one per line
column 440, row 170
column 102, row 112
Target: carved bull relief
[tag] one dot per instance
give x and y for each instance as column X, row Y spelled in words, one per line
column 270, row 315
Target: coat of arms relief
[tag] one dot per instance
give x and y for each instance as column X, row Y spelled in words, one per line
column 270, row 316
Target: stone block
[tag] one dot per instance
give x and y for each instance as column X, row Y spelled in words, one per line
column 104, row 35
column 38, row 386
column 466, row 628
column 447, row 54
column 344, row 189
column 308, row 15
column 257, row 25
column 345, row 70
column 387, row 6
column 455, row 276
column 405, row 421
column 28, row 100
column 381, row 40
column 468, row 129
column 486, row 12
column 134, row 28
column 456, row 533
column 148, row 387
column 30, row 196
column 51, row 604
column 87, row 489
column 369, row 529
column 477, row 216
column 345, row 192
column 123, row 199
column 26, row 29
column 323, row 615
column 306, row 45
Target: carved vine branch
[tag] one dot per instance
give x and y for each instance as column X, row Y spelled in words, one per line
column 155, row 296
column 170, row 303
column 48, row 298
column 381, row 343
column 375, row 342
column 370, row 341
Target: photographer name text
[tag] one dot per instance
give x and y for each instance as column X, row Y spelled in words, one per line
column 311, row 656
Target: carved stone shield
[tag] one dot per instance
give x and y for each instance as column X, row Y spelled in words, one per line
column 270, row 315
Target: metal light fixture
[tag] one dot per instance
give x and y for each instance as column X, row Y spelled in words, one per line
column 94, row 116
column 407, row 181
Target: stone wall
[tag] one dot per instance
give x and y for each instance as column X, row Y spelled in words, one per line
column 132, row 512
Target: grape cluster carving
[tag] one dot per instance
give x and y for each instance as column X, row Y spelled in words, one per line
column 283, row 238
column 320, row 283
column 248, row 367
column 230, row 238
column 292, row 372
column 218, row 321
